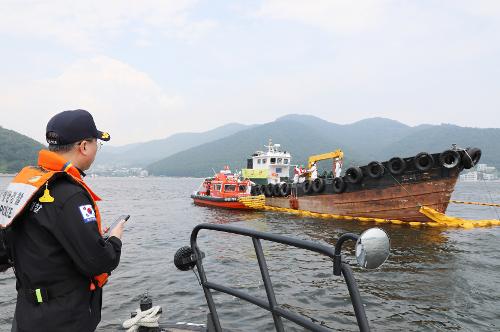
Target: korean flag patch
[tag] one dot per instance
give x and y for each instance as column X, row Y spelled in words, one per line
column 88, row 213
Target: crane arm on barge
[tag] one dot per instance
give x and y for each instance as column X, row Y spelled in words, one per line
column 329, row 155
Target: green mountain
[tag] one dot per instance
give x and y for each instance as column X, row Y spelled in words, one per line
column 142, row 154
column 304, row 135
column 233, row 150
column 17, row 151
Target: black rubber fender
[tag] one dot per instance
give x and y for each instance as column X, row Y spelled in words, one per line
column 181, row 255
column 396, row 165
column 375, row 169
column 285, row 189
column 262, row 189
column 471, row 157
column 423, row 161
column 318, row 185
column 268, row 190
column 307, row 185
column 339, row 185
column 449, row 158
column 258, row 190
column 354, row 174
column 276, row 190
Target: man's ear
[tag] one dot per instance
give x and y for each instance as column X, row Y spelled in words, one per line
column 81, row 146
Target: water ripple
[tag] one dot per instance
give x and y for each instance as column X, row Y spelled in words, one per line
column 434, row 280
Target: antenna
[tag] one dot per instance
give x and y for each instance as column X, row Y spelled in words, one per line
column 270, row 146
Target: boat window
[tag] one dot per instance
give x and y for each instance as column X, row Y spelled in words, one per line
column 273, row 160
column 280, row 160
column 258, row 161
column 285, row 161
column 264, row 161
column 278, row 170
column 229, row 187
column 242, row 188
column 216, row 187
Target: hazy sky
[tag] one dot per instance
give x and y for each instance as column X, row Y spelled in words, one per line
column 147, row 69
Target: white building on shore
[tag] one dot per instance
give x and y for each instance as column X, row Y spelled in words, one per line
column 481, row 172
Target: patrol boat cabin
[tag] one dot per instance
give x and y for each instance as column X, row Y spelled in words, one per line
column 271, row 166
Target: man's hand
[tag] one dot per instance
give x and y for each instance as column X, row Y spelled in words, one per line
column 118, row 230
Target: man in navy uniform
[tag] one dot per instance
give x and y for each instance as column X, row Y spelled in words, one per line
column 60, row 257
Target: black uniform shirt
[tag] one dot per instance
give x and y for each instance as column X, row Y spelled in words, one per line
column 58, row 246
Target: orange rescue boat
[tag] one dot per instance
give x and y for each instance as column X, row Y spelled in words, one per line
column 223, row 190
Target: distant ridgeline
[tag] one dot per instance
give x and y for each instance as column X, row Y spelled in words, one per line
column 303, row 135
column 16, row 151
column 195, row 154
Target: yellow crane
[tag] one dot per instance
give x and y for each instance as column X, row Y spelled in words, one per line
column 337, row 154
column 329, row 155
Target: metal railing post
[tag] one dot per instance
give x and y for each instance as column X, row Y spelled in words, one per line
column 267, row 284
column 208, row 295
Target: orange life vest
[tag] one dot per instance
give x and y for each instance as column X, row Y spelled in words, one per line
column 29, row 181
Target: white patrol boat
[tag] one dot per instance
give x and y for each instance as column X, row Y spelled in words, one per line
column 271, row 166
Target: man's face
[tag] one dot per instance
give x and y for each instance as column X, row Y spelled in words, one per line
column 88, row 150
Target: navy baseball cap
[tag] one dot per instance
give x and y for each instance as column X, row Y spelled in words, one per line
column 72, row 126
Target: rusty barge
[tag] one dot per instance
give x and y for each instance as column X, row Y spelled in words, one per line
column 393, row 189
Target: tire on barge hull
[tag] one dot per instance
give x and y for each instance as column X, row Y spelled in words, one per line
column 339, row 185
column 267, row 189
column 276, row 190
column 308, row 187
column 449, row 158
column 354, row 174
column 285, row 189
column 423, row 161
column 318, row 185
column 471, row 157
column 375, row 169
column 396, row 165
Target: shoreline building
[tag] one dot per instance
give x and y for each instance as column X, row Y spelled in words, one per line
column 481, row 172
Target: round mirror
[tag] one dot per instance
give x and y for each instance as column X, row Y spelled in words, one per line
column 372, row 248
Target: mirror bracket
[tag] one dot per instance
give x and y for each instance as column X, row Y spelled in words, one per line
column 337, row 260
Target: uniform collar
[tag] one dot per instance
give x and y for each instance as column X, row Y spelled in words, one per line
column 55, row 162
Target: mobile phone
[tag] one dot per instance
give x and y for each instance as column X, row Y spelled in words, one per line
column 120, row 218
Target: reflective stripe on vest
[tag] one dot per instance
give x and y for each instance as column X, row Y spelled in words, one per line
column 20, row 192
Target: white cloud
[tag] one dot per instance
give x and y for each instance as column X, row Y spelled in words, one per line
column 123, row 101
column 345, row 16
column 408, row 60
column 333, row 15
column 87, row 25
column 484, row 8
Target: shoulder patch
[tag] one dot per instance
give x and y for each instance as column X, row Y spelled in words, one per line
column 88, row 213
